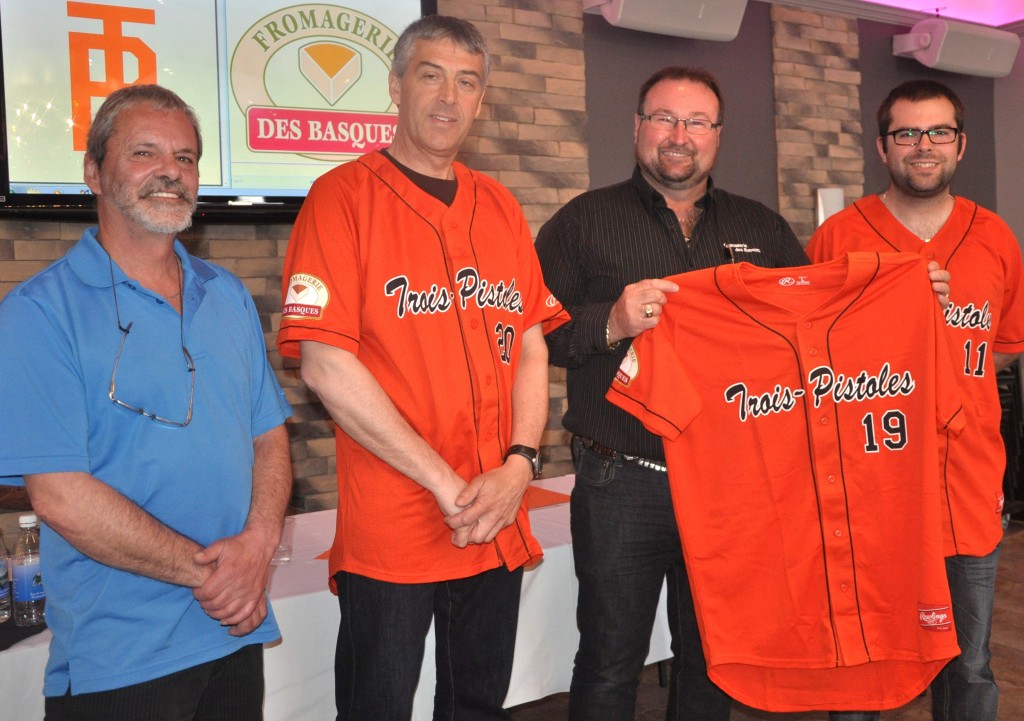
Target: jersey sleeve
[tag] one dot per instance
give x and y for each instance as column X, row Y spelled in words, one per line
column 541, row 305
column 1010, row 334
column 652, row 384
column 322, row 288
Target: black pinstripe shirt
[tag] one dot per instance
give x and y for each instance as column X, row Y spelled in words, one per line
column 605, row 239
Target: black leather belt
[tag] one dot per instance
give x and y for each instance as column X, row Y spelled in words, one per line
column 607, row 452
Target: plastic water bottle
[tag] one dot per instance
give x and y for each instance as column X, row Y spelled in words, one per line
column 5, row 582
column 29, row 596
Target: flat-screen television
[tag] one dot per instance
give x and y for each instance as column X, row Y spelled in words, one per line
column 284, row 91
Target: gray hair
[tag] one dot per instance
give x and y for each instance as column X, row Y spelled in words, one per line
column 440, row 27
column 129, row 97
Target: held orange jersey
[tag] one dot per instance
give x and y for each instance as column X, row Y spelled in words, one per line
column 434, row 301
column 800, row 410
column 985, row 316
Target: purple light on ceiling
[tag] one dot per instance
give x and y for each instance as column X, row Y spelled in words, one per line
column 993, row 13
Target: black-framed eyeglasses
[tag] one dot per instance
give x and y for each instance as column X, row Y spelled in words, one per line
column 190, row 367
column 912, row 136
column 668, row 123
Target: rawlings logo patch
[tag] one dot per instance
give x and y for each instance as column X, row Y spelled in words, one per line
column 935, row 618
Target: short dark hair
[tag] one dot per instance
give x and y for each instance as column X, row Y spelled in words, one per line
column 916, row 91
column 440, row 27
column 128, row 97
column 676, row 72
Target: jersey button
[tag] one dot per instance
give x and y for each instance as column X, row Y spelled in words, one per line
column 839, row 533
column 831, row 479
column 474, row 324
column 813, row 351
column 844, row 587
column 823, row 420
column 808, row 324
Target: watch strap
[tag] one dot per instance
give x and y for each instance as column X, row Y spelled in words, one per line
column 530, row 454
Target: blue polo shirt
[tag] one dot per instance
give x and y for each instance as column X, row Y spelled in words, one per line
column 59, row 339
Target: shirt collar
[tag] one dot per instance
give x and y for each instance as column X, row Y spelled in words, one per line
column 90, row 263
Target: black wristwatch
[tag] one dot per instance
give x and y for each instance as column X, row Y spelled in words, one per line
column 529, row 454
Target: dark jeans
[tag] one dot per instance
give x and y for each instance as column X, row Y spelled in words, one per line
column 228, row 689
column 965, row 690
column 382, row 636
column 625, row 544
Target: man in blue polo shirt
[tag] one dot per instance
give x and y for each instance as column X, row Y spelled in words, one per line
column 141, row 412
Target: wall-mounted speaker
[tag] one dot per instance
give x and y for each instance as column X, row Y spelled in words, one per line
column 959, row 47
column 708, row 20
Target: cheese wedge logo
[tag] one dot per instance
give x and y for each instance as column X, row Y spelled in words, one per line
column 312, row 80
column 329, row 67
column 307, row 297
column 629, row 369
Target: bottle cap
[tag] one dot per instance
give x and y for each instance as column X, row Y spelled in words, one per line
column 28, row 520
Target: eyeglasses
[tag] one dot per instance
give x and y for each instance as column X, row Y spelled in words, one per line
column 668, row 123
column 912, row 136
column 190, row 365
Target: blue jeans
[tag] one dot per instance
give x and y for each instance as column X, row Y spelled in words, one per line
column 965, row 690
column 382, row 636
column 625, row 544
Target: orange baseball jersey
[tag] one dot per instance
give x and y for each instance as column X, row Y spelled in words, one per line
column 985, row 315
column 800, row 410
column 434, row 301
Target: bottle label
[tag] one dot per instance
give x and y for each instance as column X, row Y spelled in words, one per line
column 28, row 583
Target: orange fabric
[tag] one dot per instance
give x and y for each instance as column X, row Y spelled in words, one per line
column 986, row 315
column 800, row 415
column 434, row 301
column 540, row 497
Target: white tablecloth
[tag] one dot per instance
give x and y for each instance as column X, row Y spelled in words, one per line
column 300, row 669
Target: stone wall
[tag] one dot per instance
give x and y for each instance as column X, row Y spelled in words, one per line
column 817, row 111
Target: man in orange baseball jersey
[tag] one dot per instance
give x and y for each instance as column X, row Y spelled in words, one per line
column 803, row 474
column 921, row 140
column 416, row 302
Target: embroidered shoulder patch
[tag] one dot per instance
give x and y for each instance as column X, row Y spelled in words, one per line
column 307, row 297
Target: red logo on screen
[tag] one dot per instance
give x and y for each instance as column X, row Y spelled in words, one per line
column 296, row 130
